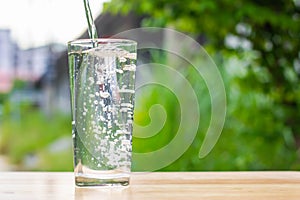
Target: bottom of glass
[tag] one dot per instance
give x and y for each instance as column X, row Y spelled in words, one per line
column 84, row 176
column 101, row 180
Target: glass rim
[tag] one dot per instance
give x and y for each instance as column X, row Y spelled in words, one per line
column 102, row 40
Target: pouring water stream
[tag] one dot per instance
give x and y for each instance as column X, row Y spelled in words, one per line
column 91, row 25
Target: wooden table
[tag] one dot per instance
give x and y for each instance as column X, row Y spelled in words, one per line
column 156, row 185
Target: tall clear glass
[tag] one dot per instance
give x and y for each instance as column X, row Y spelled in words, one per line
column 102, row 85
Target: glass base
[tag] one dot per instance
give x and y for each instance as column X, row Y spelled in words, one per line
column 98, row 180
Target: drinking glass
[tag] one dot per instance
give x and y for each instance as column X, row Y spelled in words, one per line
column 102, row 86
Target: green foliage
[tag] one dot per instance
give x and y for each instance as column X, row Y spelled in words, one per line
column 30, row 135
column 261, row 74
column 255, row 136
column 19, row 84
column 3, row 97
column 271, row 27
column 151, row 96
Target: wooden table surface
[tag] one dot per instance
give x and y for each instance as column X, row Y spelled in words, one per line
column 155, row 185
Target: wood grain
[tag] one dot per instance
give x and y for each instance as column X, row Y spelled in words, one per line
column 155, row 185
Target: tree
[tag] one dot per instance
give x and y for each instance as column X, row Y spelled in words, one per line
column 271, row 27
column 268, row 29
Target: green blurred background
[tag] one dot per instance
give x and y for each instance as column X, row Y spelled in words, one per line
column 256, row 46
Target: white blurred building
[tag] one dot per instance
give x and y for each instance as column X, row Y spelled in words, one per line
column 8, row 52
column 27, row 65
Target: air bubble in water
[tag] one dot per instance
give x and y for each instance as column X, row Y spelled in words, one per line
column 119, row 71
column 131, row 56
column 104, row 94
column 102, row 118
column 91, row 79
column 131, row 67
column 122, row 59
